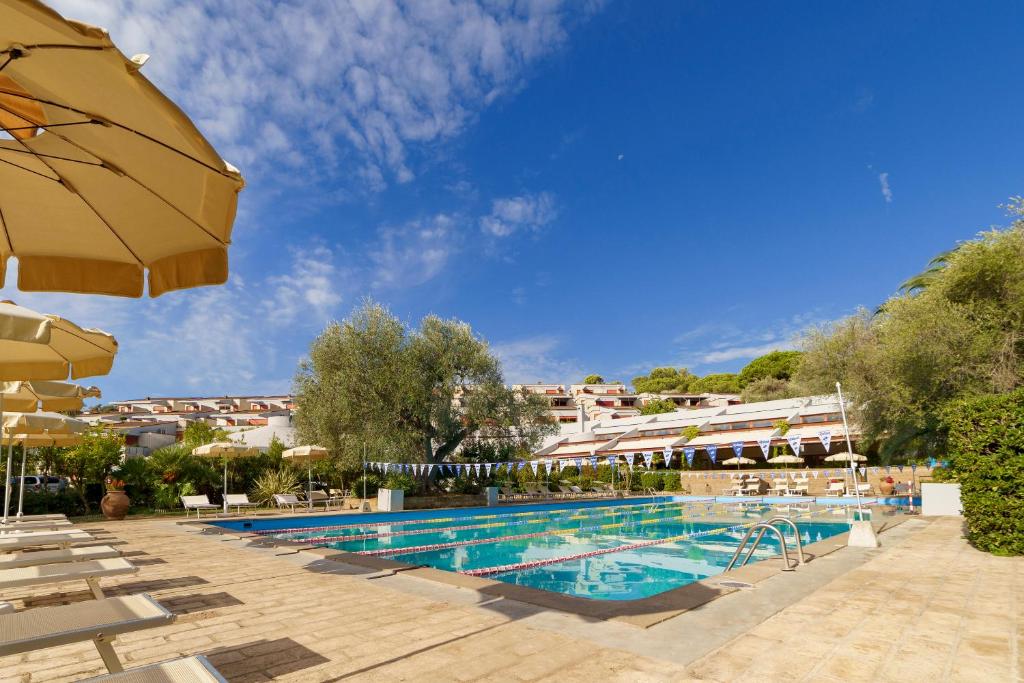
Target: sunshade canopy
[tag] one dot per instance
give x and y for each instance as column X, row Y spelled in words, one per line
column 28, row 397
column 786, row 460
column 738, row 461
column 306, row 453
column 18, row 324
column 44, row 439
column 846, row 457
column 223, row 449
column 40, row 423
column 105, row 176
column 67, row 349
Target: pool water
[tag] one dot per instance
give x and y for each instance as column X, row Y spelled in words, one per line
column 621, row 550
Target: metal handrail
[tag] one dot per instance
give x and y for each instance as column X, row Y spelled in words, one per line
column 761, row 528
column 796, row 534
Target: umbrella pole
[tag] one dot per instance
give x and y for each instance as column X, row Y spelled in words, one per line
column 21, row 489
column 7, row 473
column 309, row 475
column 849, row 450
column 225, row 484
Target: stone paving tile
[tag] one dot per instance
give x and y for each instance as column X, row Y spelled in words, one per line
column 929, row 609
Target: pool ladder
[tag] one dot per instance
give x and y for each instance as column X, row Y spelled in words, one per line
column 761, row 528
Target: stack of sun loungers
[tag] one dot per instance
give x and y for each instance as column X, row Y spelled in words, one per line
column 48, row 550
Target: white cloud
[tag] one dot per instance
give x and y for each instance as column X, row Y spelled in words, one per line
column 307, row 89
column 883, row 181
column 212, row 340
column 746, row 352
column 525, row 212
column 314, row 283
column 534, row 358
column 413, row 253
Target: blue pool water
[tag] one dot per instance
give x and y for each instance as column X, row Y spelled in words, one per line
column 606, row 550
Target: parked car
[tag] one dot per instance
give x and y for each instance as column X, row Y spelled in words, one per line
column 39, row 482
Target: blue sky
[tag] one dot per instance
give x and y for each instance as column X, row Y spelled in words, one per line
column 595, row 187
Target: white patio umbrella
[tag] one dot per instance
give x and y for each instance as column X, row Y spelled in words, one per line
column 101, row 176
column 226, row 450
column 738, row 461
column 308, row 455
column 786, row 459
column 846, row 457
column 28, row 424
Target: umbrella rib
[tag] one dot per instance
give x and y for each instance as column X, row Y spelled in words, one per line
column 101, row 164
column 85, row 201
column 29, row 170
column 122, row 127
column 7, row 234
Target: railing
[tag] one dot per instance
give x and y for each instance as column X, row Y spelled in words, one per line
column 761, row 528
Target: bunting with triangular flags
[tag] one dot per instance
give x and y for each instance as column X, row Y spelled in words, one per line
column 825, row 436
column 689, row 452
column 794, row 443
column 737, row 448
column 766, row 446
column 712, row 452
column 629, row 459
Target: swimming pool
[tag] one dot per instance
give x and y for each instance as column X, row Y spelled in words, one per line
column 603, row 550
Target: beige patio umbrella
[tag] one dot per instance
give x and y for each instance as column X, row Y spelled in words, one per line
column 105, row 177
column 62, row 348
column 45, row 395
column 308, row 455
column 786, row 459
column 226, row 450
column 28, row 425
column 23, row 325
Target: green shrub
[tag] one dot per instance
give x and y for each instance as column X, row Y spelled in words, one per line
column 604, row 474
column 273, row 482
column 672, row 481
column 372, row 485
column 42, row 502
column 986, row 454
column 570, row 471
column 397, row 480
column 652, row 480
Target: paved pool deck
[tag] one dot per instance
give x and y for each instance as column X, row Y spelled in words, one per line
column 924, row 607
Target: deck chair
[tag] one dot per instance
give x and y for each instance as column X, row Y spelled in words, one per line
column 97, row 620
column 94, row 552
column 321, row 498
column 10, row 542
column 566, row 492
column 865, row 489
column 197, row 503
column 185, row 670
column 836, row 488
column 90, row 571
column 237, row 501
column 289, row 500
column 34, row 524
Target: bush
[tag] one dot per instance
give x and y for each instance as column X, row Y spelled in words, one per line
column 372, row 485
column 672, row 481
column 397, row 480
column 273, row 482
column 41, row 503
column 986, row 449
column 652, row 480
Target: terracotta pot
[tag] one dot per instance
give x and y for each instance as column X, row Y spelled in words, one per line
column 886, row 488
column 115, row 505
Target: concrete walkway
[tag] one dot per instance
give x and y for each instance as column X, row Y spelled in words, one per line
column 926, row 607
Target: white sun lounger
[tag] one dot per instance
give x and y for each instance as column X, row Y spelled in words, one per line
column 90, row 571
column 197, row 503
column 34, row 525
column 185, row 670
column 97, row 620
column 288, row 500
column 94, row 552
column 237, row 501
column 34, row 539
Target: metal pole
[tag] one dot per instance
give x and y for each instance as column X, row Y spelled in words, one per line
column 364, row 471
column 849, row 450
column 225, row 501
column 309, row 476
column 7, row 473
column 21, row 489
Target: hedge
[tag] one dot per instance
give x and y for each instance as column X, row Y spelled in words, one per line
column 986, row 457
